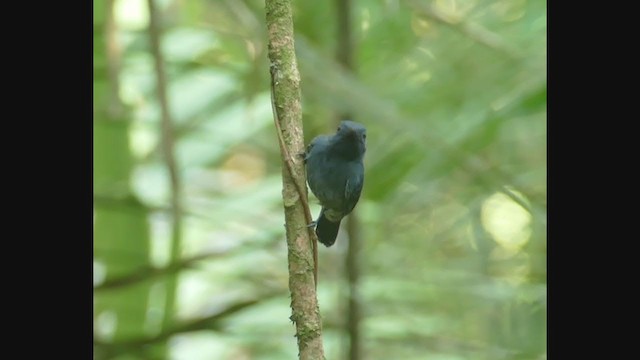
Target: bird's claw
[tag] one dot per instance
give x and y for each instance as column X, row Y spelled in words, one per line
column 303, row 156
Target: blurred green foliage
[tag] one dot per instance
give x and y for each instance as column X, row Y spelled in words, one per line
column 453, row 93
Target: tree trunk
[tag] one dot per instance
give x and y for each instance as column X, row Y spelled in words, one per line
column 285, row 87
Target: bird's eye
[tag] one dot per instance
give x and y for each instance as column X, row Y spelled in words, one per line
column 339, row 127
column 364, row 136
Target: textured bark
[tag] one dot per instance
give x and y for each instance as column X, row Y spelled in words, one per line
column 288, row 118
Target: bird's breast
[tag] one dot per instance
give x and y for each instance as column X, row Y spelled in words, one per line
column 328, row 177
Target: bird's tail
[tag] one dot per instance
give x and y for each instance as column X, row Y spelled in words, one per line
column 326, row 230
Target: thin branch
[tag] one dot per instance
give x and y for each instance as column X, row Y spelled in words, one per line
column 302, row 193
column 344, row 34
column 206, row 323
column 352, row 265
column 285, row 83
column 150, row 272
column 168, row 151
column 344, row 56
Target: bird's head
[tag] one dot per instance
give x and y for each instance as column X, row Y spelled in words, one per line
column 351, row 138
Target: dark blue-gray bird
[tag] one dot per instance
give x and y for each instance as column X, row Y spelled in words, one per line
column 335, row 174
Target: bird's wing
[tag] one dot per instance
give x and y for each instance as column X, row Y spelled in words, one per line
column 352, row 190
column 317, row 140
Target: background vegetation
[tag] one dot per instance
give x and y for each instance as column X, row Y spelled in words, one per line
column 189, row 249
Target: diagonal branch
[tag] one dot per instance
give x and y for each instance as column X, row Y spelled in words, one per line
column 150, row 272
column 205, row 323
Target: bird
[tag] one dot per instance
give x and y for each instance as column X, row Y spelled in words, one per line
column 335, row 174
